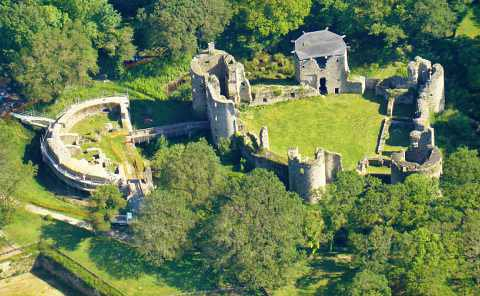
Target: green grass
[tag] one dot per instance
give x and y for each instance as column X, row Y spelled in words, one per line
column 317, row 276
column 113, row 144
column 381, row 71
column 41, row 190
column 25, row 228
column 348, row 124
column 146, row 82
column 399, row 138
column 376, row 170
column 93, row 123
column 470, row 25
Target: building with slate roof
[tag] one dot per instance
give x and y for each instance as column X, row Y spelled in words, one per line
column 321, row 62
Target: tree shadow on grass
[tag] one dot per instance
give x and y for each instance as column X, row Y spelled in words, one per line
column 64, row 235
column 186, row 274
column 124, row 262
column 116, row 258
column 326, row 268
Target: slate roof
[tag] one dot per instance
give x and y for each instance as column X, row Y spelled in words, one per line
column 319, row 44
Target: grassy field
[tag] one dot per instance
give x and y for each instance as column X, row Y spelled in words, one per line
column 113, row 144
column 25, row 229
column 348, row 124
column 399, row 138
column 470, row 25
column 43, row 190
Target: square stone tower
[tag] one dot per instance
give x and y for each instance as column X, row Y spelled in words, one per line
column 321, row 61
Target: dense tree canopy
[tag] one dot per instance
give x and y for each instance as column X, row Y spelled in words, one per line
column 179, row 27
column 162, row 228
column 107, row 201
column 38, row 71
column 258, row 23
column 48, row 45
column 193, row 169
column 255, row 235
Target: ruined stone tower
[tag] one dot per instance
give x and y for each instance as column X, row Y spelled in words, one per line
column 321, row 62
column 307, row 177
column 421, row 157
column 218, row 85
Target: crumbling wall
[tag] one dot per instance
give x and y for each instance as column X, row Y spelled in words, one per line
column 272, row 94
column 221, row 112
column 422, row 157
column 335, row 74
column 430, row 81
column 308, row 176
column 234, row 85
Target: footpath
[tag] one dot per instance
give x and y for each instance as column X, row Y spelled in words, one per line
column 58, row 216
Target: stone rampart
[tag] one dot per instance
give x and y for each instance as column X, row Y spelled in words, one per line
column 233, row 84
column 57, row 154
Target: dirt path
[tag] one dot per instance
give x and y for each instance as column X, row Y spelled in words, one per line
column 60, row 217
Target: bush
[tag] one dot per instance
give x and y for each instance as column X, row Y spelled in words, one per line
column 265, row 66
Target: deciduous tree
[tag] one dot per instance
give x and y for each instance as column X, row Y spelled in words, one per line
column 256, row 233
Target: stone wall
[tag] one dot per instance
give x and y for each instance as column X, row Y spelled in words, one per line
column 430, row 81
column 422, row 157
column 57, row 154
column 334, row 72
column 17, row 265
column 308, row 176
column 328, row 75
column 222, row 114
column 233, row 84
column 272, row 94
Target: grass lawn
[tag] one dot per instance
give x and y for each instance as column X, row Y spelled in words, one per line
column 470, row 25
column 381, row 71
column 318, row 276
column 113, row 143
column 152, row 102
column 44, row 190
column 348, row 124
column 25, row 228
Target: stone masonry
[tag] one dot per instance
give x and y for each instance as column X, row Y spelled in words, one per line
column 422, row 156
column 219, row 85
column 308, row 176
column 321, row 62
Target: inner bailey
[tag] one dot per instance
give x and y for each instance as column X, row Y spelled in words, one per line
column 308, row 177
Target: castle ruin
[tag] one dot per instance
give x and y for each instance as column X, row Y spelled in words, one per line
column 321, row 62
column 220, row 86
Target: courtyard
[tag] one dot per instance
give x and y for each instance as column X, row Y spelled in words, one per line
column 348, row 124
